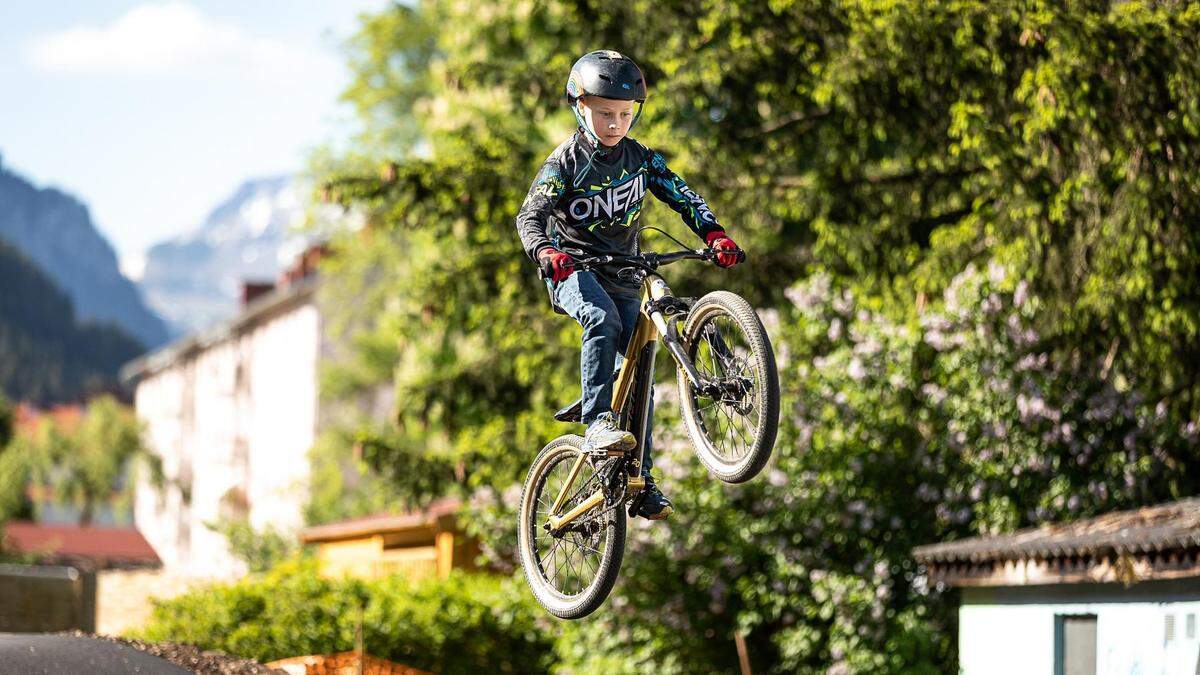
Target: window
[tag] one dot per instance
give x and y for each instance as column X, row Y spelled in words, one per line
column 1075, row 644
column 1191, row 626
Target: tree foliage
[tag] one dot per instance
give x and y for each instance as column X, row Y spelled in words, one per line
column 6, row 422
column 259, row 548
column 971, row 230
column 86, row 462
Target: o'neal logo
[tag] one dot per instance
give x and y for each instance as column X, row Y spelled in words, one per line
column 702, row 209
column 611, row 202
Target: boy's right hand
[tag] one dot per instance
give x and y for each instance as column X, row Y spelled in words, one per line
column 556, row 265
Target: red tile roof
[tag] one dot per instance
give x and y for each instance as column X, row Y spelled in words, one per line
column 29, row 417
column 101, row 545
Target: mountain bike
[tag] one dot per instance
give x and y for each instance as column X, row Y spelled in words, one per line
column 574, row 502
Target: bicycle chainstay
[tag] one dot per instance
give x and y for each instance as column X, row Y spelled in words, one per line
column 609, row 485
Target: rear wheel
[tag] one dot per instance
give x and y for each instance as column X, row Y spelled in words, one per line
column 732, row 425
column 570, row 572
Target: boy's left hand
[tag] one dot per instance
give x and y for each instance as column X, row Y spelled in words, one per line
column 719, row 241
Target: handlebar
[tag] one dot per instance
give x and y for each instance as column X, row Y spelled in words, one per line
column 651, row 261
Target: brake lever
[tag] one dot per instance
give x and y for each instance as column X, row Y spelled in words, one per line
column 629, row 274
column 710, row 254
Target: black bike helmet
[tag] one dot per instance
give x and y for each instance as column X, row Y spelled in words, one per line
column 607, row 74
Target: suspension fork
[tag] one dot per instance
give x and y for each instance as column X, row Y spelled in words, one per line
column 656, row 290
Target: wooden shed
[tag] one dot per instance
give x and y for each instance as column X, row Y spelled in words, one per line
column 417, row 544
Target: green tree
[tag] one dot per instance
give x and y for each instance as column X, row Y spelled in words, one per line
column 6, row 422
column 970, row 231
column 261, row 548
column 14, row 472
column 87, row 462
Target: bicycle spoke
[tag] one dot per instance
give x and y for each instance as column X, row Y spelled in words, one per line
column 559, row 567
column 579, row 573
column 593, row 565
column 571, row 570
column 550, row 556
column 737, row 428
column 724, row 356
column 585, row 575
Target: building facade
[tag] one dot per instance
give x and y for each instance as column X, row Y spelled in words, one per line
column 1117, row 594
column 232, row 412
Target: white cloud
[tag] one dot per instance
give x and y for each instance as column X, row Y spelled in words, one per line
column 166, row 37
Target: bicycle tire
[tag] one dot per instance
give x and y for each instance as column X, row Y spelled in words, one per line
column 741, row 469
column 562, row 605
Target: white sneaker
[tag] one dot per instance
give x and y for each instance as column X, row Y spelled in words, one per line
column 603, row 435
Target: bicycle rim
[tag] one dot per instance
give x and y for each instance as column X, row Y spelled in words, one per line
column 568, row 563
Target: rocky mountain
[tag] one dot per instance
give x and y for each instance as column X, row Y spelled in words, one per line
column 46, row 354
column 55, row 231
column 195, row 279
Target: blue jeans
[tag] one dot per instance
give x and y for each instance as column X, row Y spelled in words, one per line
column 608, row 321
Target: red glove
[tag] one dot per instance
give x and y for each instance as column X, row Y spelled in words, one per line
column 719, row 241
column 555, row 264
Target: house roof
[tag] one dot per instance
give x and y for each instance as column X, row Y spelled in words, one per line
column 267, row 306
column 1154, row 528
column 1155, row 542
column 382, row 523
column 104, row 546
column 29, row 417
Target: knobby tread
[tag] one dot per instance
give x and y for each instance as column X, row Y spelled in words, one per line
column 562, row 606
column 747, row 319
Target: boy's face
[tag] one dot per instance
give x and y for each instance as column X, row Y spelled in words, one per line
column 610, row 118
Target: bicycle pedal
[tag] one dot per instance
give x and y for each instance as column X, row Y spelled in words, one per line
column 635, row 504
column 635, row 484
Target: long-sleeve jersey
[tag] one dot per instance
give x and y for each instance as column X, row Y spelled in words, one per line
column 597, row 213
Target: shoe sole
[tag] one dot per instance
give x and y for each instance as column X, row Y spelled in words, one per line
column 626, row 442
column 661, row 515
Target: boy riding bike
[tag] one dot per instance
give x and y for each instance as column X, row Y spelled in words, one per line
column 586, row 201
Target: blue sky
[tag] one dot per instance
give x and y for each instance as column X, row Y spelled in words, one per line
column 151, row 112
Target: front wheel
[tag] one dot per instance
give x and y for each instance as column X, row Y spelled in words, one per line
column 572, row 571
column 732, row 425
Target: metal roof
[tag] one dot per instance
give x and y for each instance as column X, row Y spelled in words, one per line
column 1171, row 526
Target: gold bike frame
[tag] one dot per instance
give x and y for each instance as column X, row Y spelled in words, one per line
column 650, row 327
